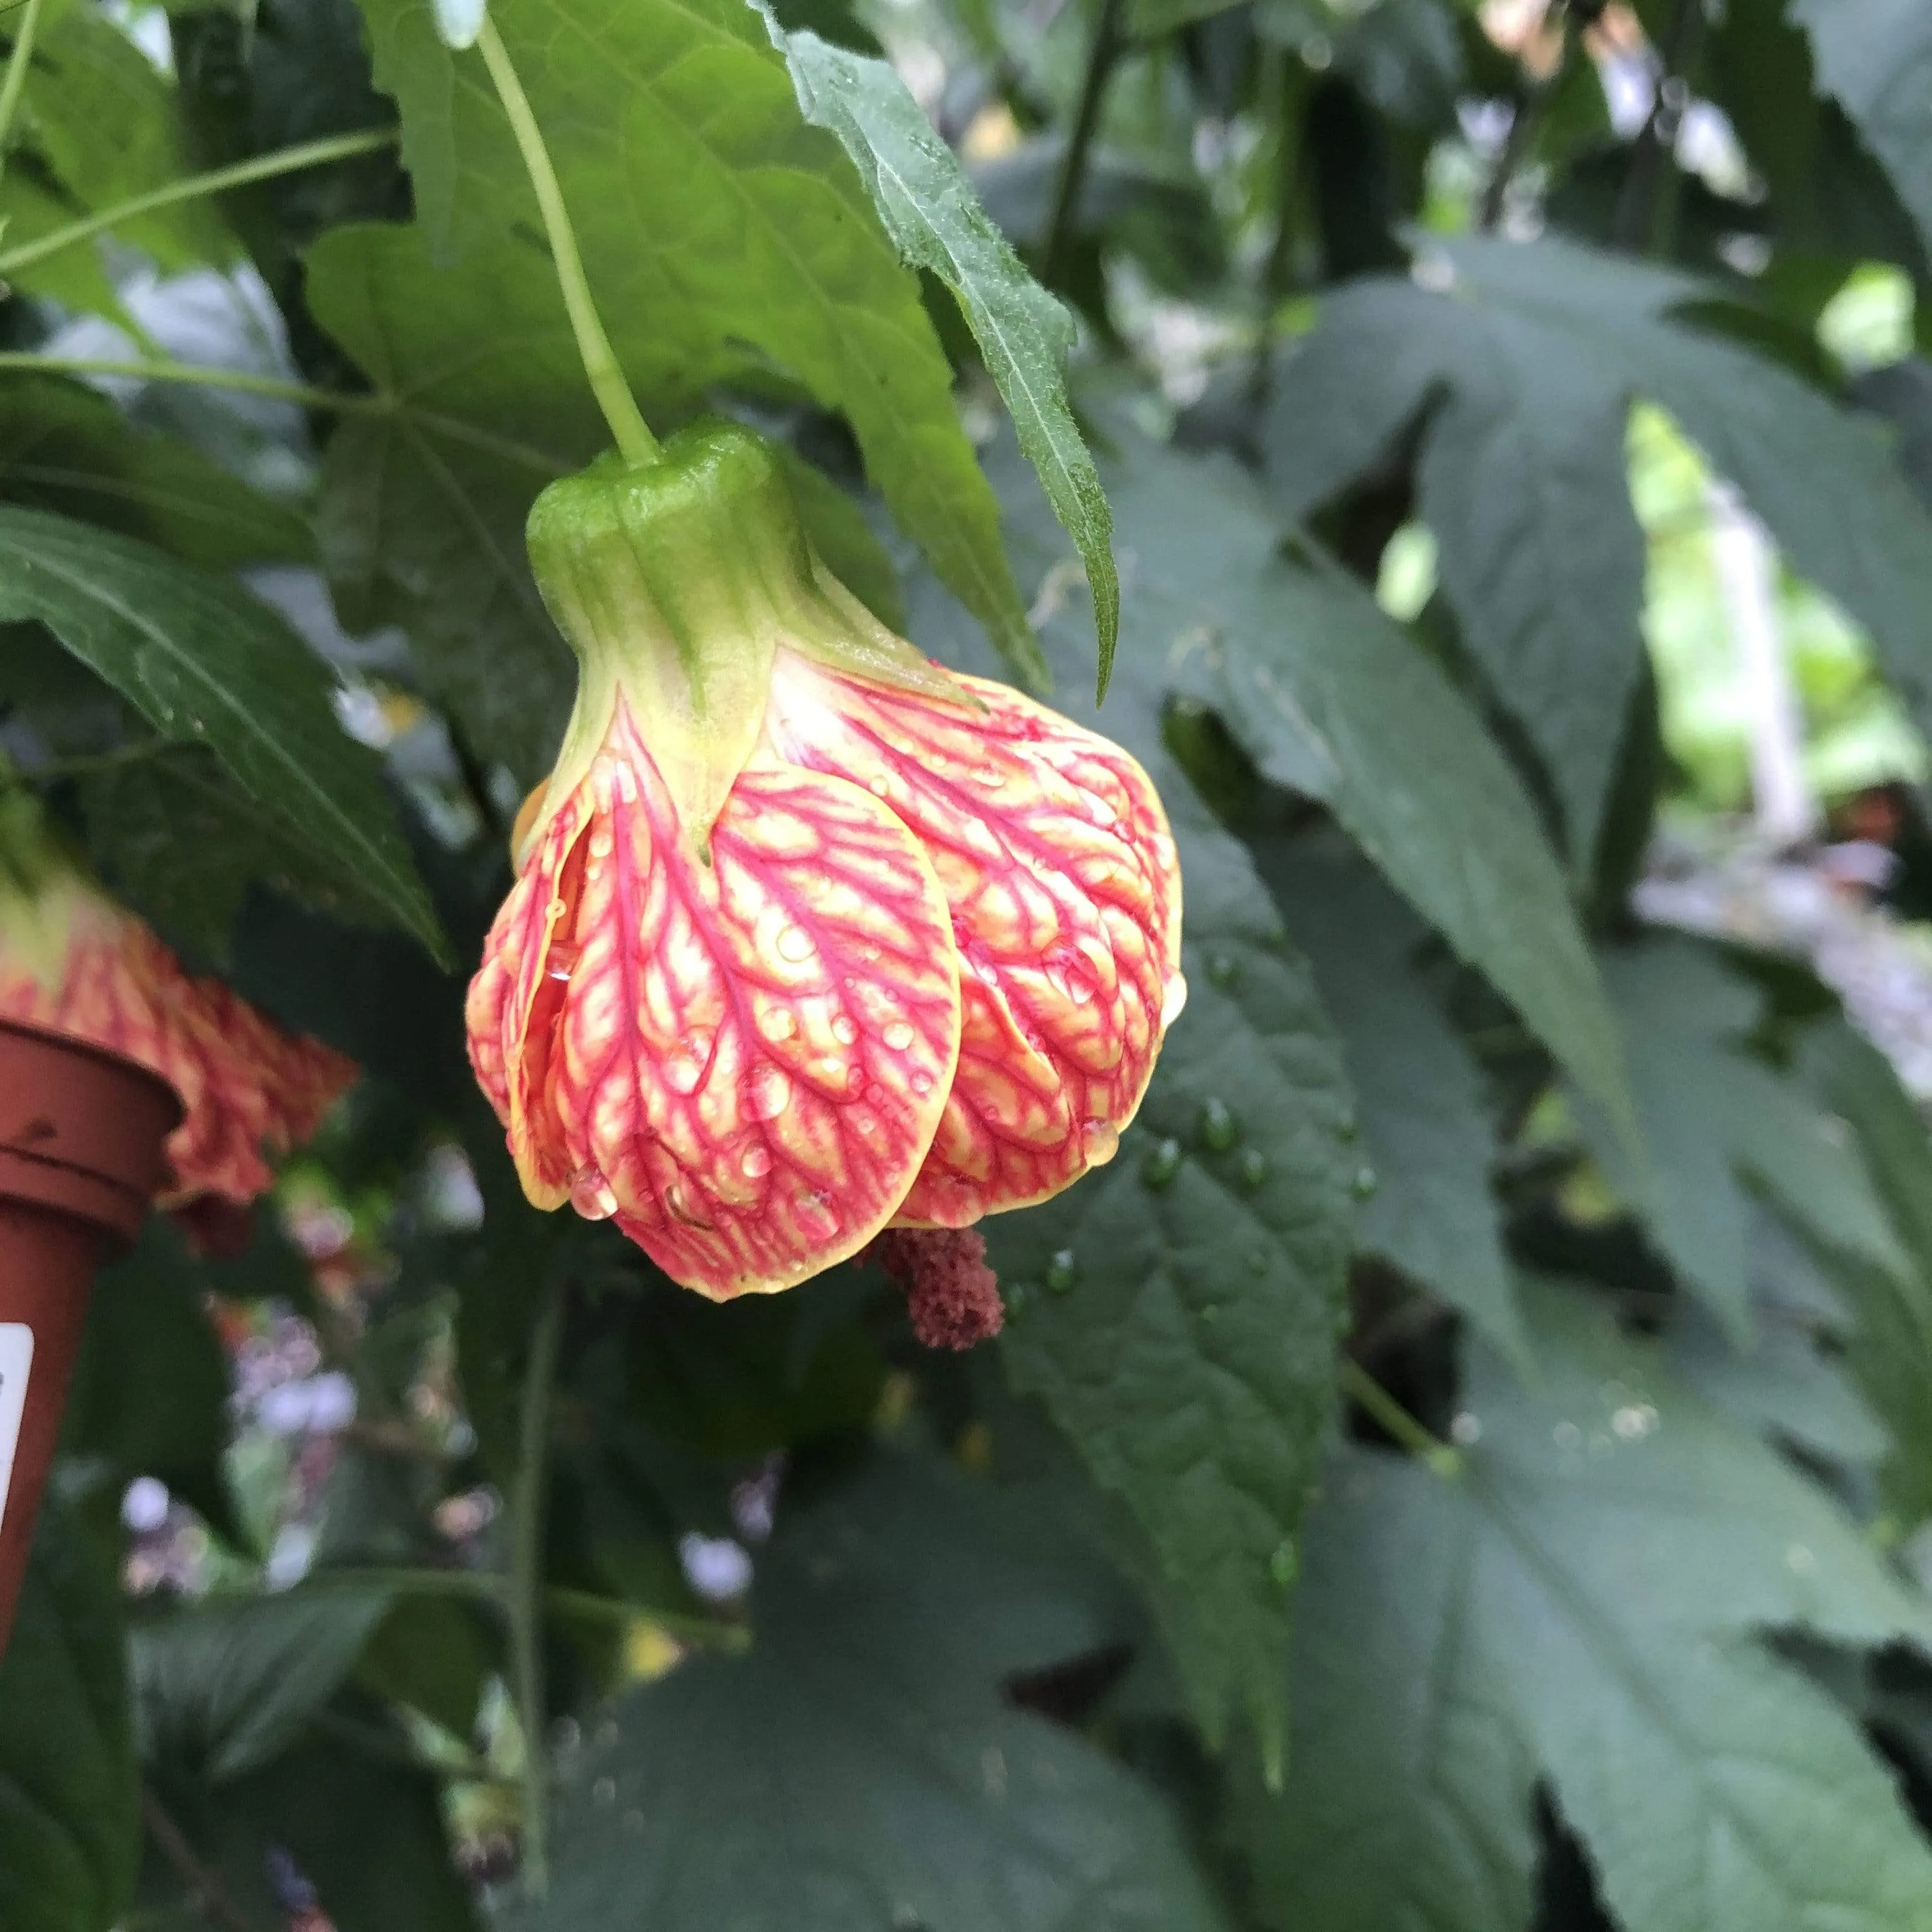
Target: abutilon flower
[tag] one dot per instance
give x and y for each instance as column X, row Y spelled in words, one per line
column 808, row 937
column 74, row 961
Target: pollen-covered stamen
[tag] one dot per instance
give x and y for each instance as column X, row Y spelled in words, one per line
column 953, row 1296
column 1062, row 908
column 746, row 1063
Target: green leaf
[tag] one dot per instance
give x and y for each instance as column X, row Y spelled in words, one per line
column 1548, row 333
column 1427, row 1133
column 761, row 253
column 1579, row 1607
column 1521, row 478
column 66, row 449
column 1178, row 1311
column 206, row 663
column 1889, row 1350
column 69, row 1824
column 929, row 209
column 104, row 122
column 1875, row 58
column 845, row 539
column 222, row 1688
column 1713, row 1118
column 876, row 1776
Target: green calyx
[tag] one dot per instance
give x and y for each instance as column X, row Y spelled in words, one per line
column 677, row 583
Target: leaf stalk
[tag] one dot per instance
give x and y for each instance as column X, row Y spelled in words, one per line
column 601, row 366
column 192, row 187
column 17, row 62
column 1362, row 1389
column 1103, row 56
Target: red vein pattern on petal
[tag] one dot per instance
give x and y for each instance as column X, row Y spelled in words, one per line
column 1060, row 877
column 248, row 1089
column 747, row 1062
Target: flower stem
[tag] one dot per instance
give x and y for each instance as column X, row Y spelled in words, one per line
column 1366, row 1393
column 1103, row 55
column 263, row 167
column 17, row 73
column 525, row 1604
column 601, row 367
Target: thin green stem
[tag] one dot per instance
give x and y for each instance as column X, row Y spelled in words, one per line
column 527, row 1590
column 303, row 394
column 1531, row 100
column 601, row 366
column 17, row 63
column 700, row 1633
column 89, row 764
column 1362, row 1389
column 1103, row 54
column 263, row 167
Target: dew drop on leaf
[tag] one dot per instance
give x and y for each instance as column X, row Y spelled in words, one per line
column 1219, row 1127
column 1221, row 968
column 1365, row 1182
column 1284, row 1566
column 1061, row 1271
column 1253, row 1168
column 1161, row 1165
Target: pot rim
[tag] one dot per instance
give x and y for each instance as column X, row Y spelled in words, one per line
column 120, row 1062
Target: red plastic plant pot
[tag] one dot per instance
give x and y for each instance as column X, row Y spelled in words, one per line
column 83, row 1139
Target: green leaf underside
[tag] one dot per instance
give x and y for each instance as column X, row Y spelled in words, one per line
column 1580, row 1606
column 1716, row 1122
column 69, row 1831
column 206, row 664
column 1427, row 1133
column 875, row 1776
column 723, row 248
column 1531, row 353
column 1875, row 57
column 929, row 209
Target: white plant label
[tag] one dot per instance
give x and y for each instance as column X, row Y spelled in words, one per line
column 16, row 1357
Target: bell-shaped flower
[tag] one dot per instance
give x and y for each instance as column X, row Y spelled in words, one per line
column 809, row 937
column 74, row 961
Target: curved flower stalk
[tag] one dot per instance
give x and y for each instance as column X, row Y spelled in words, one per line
column 808, row 937
column 74, row 961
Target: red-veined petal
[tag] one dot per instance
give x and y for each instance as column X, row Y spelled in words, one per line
column 1059, row 871
column 747, row 1061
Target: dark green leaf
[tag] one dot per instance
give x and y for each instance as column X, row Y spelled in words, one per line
column 1713, row 1118
column 1875, row 57
column 70, row 1824
column 1543, row 1614
column 1551, row 339
column 65, row 448
column 1427, row 1133
column 206, row 663
column 875, row 1776
column 929, row 209
column 221, row 1688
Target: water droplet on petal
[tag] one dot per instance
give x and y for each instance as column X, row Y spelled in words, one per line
column 1100, row 1141
column 1061, row 1271
column 756, row 1162
column 683, row 1069
column 1253, row 1169
column 795, row 944
column 897, row 1036
column 1175, row 1002
column 816, row 1217
column 561, row 961
column 878, row 785
column 601, row 844
column 592, row 1195
column 767, row 1093
column 844, row 1030
column 1161, row 1165
column 922, row 1083
column 777, row 1023
column 1219, row 1127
